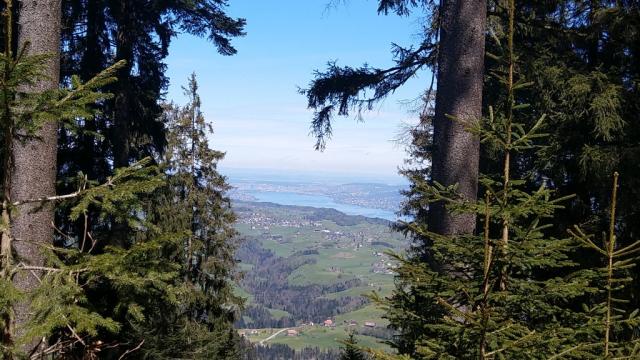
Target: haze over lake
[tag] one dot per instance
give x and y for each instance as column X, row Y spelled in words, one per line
column 376, row 197
column 320, row 201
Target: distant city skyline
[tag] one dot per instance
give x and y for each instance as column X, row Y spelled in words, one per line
column 260, row 120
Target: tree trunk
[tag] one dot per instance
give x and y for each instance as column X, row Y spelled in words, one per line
column 122, row 112
column 34, row 161
column 123, row 97
column 459, row 95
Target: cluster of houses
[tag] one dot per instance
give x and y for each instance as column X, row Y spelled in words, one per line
column 332, row 324
column 249, row 332
column 329, row 323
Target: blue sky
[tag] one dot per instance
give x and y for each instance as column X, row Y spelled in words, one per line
column 251, row 98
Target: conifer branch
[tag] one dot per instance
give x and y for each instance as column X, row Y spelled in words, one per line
column 611, row 243
column 44, row 199
column 511, row 344
column 22, row 266
column 508, row 146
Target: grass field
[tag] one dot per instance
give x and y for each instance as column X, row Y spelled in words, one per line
column 341, row 252
column 325, row 338
column 315, row 336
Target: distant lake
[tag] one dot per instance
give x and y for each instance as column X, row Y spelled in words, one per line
column 320, row 201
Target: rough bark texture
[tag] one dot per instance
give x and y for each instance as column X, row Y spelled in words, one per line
column 459, row 95
column 122, row 110
column 34, row 161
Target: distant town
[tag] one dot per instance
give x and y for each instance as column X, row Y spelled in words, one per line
column 377, row 196
column 264, row 221
column 305, row 271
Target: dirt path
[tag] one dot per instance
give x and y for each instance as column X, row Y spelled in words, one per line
column 274, row 335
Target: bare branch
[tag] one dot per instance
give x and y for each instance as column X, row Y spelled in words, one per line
column 131, row 350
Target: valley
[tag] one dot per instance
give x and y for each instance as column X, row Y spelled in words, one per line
column 306, row 271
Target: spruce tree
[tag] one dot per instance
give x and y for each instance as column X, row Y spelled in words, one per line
column 99, row 32
column 460, row 74
column 453, row 48
column 90, row 298
column 34, row 155
column 584, row 57
column 350, row 349
column 343, row 90
column 502, row 294
column 194, row 203
column 611, row 326
column 56, row 305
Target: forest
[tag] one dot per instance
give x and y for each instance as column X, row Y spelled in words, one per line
column 119, row 239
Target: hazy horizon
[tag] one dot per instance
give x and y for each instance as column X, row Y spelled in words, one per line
column 251, row 98
column 308, row 176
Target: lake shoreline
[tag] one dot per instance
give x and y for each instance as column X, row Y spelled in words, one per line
column 319, row 201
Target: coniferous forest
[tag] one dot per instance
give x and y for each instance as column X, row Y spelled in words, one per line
column 120, row 238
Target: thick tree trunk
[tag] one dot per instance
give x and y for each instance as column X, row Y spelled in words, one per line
column 459, row 95
column 123, row 97
column 34, row 161
column 122, row 112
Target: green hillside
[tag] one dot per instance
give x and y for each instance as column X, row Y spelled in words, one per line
column 304, row 265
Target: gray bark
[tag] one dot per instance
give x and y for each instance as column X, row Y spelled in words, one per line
column 459, row 95
column 34, row 161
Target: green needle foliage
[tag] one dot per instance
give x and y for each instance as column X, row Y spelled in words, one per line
column 510, row 291
column 62, row 315
column 59, row 305
column 350, row 350
column 164, row 291
column 610, row 322
column 193, row 204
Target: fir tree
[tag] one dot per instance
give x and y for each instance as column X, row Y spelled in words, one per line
column 610, row 326
column 460, row 73
column 99, row 32
column 194, row 203
column 89, row 296
column 33, row 156
column 343, row 90
column 350, row 349
column 502, row 294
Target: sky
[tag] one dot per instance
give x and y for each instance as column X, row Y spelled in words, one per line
column 259, row 118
